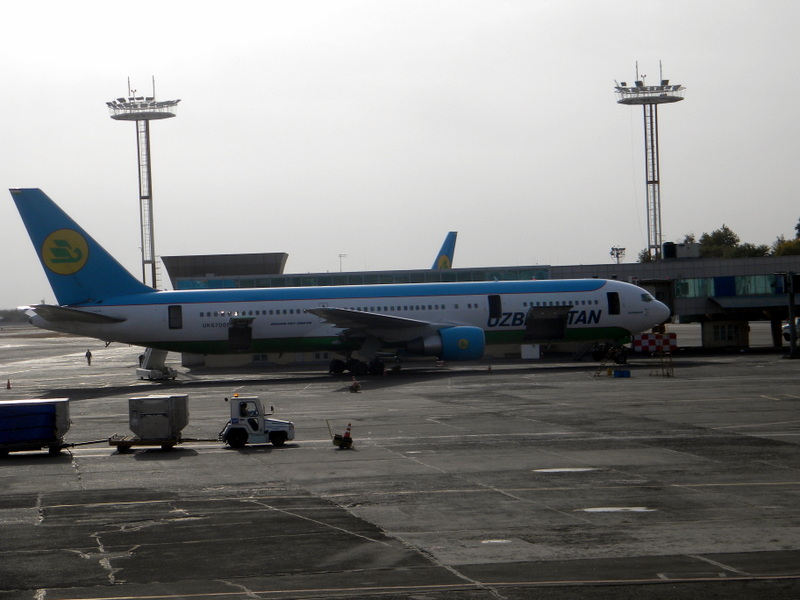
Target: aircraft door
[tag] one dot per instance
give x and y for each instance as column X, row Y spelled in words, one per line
column 495, row 306
column 546, row 323
column 613, row 303
column 175, row 316
column 240, row 333
column 248, row 416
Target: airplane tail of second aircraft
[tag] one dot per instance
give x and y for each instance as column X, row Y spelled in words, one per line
column 444, row 260
column 79, row 269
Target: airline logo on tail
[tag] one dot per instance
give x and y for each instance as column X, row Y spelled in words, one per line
column 443, row 262
column 65, row 252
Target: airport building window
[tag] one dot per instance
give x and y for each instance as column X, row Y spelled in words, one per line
column 756, row 285
column 726, row 332
column 694, row 288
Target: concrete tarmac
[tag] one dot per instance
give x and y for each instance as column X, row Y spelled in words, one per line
column 526, row 480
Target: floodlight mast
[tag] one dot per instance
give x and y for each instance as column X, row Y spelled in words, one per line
column 649, row 97
column 144, row 109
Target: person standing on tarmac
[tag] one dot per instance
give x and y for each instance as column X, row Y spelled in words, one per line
column 89, row 358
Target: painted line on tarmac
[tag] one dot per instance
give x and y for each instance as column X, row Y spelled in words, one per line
column 755, row 425
column 495, row 585
column 719, row 564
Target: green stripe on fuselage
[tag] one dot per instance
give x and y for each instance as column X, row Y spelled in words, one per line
column 335, row 344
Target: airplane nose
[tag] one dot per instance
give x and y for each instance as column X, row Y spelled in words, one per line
column 661, row 312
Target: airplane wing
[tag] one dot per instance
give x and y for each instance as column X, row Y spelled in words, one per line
column 59, row 313
column 345, row 318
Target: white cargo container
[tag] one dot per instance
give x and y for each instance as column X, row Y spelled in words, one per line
column 156, row 420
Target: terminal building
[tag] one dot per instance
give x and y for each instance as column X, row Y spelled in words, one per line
column 723, row 295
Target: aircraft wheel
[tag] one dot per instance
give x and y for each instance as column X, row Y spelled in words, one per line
column 54, row 450
column 337, row 366
column 236, row 438
column 356, row 367
column 376, row 367
column 621, row 356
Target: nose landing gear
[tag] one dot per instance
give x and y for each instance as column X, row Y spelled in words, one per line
column 605, row 352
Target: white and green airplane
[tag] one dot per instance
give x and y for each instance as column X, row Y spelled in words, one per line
column 99, row 298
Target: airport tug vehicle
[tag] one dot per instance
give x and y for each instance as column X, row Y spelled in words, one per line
column 250, row 424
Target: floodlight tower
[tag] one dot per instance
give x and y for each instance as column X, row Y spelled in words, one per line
column 144, row 109
column 649, row 97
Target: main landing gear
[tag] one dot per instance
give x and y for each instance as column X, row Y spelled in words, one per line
column 357, row 367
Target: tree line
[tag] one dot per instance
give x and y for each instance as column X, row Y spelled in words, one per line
column 724, row 243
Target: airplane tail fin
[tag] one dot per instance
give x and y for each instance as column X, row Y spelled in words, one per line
column 444, row 260
column 78, row 268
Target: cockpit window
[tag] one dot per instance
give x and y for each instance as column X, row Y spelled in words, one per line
column 647, row 298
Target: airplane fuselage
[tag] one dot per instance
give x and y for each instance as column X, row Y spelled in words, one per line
column 223, row 321
column 99, row 298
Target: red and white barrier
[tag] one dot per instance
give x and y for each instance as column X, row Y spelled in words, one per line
column 655, row 342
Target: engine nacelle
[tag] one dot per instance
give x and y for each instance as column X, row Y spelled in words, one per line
column 451, row 343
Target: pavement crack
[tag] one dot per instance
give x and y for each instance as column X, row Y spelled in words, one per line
column 321, row 523
column 77, row 469
column 39, row 510
column 104, row 558
column 246, row 591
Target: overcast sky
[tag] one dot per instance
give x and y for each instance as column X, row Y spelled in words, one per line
column 372, row 128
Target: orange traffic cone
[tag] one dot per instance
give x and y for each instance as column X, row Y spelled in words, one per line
column 347, row 441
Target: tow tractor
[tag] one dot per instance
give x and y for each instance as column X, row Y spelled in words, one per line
column 250, row 424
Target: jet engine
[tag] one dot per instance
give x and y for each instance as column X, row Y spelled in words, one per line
column 451, row 343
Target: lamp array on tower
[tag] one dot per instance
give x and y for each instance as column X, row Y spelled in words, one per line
column 142, row 110
column 649, row 97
